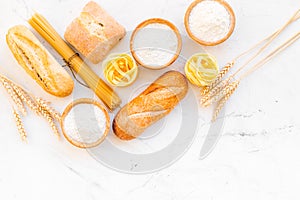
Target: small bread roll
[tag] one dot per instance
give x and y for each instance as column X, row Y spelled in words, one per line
column 38, row 62
column 94, row 33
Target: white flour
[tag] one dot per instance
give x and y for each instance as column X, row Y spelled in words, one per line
column 85, row 123
column 155, row 44
column 209, row 21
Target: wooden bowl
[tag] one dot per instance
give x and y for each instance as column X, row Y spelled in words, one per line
column 156, row 21
column 67, row 111
column 206, row 43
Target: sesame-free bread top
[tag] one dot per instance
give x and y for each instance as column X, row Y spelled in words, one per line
column 94, row 33
column 38, row 62
column 154, row 103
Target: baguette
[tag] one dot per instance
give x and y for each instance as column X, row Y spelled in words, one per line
column 38, row 62
column 158, row 100
column 94, row 33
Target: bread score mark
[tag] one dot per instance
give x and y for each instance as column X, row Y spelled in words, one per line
column 32, row 54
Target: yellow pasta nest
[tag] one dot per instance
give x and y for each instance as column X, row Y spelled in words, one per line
column 201, row 69
column 120, row 69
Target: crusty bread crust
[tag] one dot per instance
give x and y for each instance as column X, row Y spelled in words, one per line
column 158, row 100
column 38, row 62
column 94, row 33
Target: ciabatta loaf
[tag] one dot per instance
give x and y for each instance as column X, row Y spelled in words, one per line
column 38, row 62
column 158, row 100
column 94, row 33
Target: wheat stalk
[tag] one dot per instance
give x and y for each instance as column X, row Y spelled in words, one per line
column 50, row 121
column 50, row 114
column 14, row 96
column 215, row 91
column 220, row 95
column 45, row 105
column 20, row 125
column 28, row 100
column 218, row 78
column 38, row 105
column 267, row 42
column 229, row 91
column 25, row 97
column 21, row 97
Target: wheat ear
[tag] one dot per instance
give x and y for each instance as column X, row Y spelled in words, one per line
column 20, row 125
column 34, row 105
column 50, row 121
column 215, row 91
column 218, row 78
column 38, row 105
column 24, row 96
column 217, row 97
column 45, row 105
column 14, row 96
column 222, row 102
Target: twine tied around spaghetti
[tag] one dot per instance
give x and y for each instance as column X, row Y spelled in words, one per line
column 68, row 64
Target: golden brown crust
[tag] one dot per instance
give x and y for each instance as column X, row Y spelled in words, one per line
column 38, row 62
column 94, row 33
column 154, row 103
column 120, row 133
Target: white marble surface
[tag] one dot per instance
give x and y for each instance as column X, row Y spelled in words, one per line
column 255, row 159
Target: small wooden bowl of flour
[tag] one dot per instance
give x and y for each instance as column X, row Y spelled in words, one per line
column 155, row 43
column 209, row 22
column 85, row 123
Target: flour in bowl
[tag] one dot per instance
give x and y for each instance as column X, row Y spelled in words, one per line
column 85, row 123
column 209, row 21
column 155, row 45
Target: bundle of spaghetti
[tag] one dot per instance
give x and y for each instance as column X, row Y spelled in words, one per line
column 101, row 89
column 218, row 90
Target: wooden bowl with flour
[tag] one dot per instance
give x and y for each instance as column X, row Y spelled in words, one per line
column 155, row 43
column 209, row 22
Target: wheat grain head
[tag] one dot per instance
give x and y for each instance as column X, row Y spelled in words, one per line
column 229, row 91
